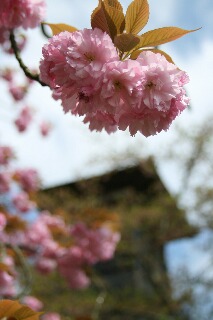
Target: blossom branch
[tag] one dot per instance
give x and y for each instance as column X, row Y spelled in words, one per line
column 43, row 30
column 27, row 72
column 25, row 269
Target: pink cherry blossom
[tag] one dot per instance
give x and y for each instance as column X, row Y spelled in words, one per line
column 163, row 97
column 24, row 119
column 6, row 154
column 5, row 181
column 73, row 66
column 8, row 279
column 7, row 74
column 28, row 179
column 4, row 35
column 51, row 316
column 22, row 202
column 98, row 244
column 100, row 120
column 45, row 128
column 21, row 13
column 17, row 92
column 122, row 83
column 45, row 265
column 33, row 303
column 3, row 221
column 7, row 285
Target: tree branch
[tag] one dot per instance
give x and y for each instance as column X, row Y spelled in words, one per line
column 27, row 72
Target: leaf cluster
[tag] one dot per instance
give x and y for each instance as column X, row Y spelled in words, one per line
column 124, row 29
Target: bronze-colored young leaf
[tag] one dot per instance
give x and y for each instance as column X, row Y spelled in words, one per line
column 60, row 27
column 108, row 18
column 114, row 3
column 117, row 18
column 162, row 35
column 137, row 16
column 136, row 53
column 101, row 19
column 126, row 42
column 4, row 267
column 13, row 309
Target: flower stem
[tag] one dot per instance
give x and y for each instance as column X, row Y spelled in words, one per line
column 27, row 72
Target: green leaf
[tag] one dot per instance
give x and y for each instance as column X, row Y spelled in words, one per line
column 162, row 35
column 136, row 53
column 137, row 16
column 60, row 27
column 126, row 42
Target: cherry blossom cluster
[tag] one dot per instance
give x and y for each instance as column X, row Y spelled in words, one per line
column 84, row 70
column 21, row 13
column 18, row 92
column 46, row 239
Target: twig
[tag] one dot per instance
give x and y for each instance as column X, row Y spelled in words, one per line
column 27, row 72
column 44, row 32
column 25, row 270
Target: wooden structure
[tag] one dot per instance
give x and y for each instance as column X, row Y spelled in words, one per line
column 136, row 280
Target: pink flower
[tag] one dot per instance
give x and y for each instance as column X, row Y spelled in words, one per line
column 7, row 285
column 4, row 34
column 51, row 316
column 3, row 221
column 22, row 203
column 33, row 303
column 24, row 119
column 7, row 74
column 28, row 179
column 163, row 97
column 37, row 233
column 70, row 266
column 45, row 128
column 45, row 265
column 73, row 66
column 18, row 92
column 101, row 120
column 6, row 154
column 77, row 279
column 5, row 180
column 8, row 279
column 122, row 83
column 96, row 245
column 21, row 13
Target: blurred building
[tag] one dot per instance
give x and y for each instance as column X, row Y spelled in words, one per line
column 135, row 284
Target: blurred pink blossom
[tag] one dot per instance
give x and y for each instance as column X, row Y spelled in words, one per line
column 24, row 119
column 28, row 179
column 21, row 13
column 8, row 279
column 22, row 202
column 33, row 303
column 51, row 316
column 18, row 92
column 6, row 154
column 3, row 221
column 45, row 128
column 5, row 181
